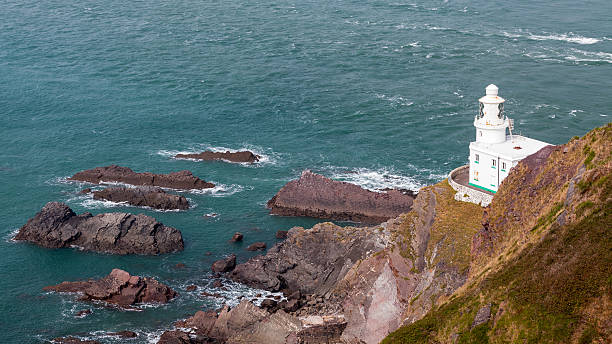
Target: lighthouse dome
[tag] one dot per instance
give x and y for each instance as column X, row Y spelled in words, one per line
column 491, row 90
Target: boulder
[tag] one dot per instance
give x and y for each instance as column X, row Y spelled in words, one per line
column 237, row 237
column 281, row 234
column 83, row 313
column 144, row 196
column 224, row 265
column 123, row 334
column 118, row 288
column 56, row 226
column 183, row 180
column 317, row 196
column 257, row 246
column 175, row 337
column 240, row 157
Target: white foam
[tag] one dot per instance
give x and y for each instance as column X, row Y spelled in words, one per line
column 220, row 190
column 589, row 56
column 10, row 237
column 231, row 293
column 397, row 99
column 375, row 180
column 569, row 37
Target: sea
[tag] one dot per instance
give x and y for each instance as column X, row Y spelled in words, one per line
column 377, row 93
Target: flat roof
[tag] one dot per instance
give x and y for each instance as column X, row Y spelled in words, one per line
column 516, row 148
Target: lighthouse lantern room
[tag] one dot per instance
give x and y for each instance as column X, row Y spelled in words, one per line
column 495, row 152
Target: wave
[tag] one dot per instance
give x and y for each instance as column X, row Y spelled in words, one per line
column 10, row 237
column 220, row 190
column 569, row 37
column 395, row 100
column 375, row 180
column 266, row 156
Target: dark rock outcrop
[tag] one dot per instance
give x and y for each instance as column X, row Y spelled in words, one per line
column 183, row 180
column 118, row 288
column 317, row 196
column 224, row 265
column 74, row 340
column 241, row 157
column 257, row 246
column 56, row 226
column 309, row 260
column 237, row 237
column 123, row 334
column 144, row 196
column 281, row 234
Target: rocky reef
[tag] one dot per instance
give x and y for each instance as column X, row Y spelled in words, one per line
column 118, row 288
column 183, row 180
column 240, row 157
column 56, row 226
column 143, row 196
column 317, row 196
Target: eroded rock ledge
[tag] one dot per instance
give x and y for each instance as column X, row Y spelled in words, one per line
column 143, row 196
column 240, row 157
column 118, row 288
column 317, row 196
column 56, row 226
column 183, row 180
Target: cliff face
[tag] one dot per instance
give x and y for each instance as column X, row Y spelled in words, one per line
column 540, row 264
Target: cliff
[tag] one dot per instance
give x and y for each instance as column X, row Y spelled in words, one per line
column 540, row 264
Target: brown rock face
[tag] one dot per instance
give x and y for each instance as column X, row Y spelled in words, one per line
column 145, row 196
column 56, row 226
column 317, row 196
column 241, row 157
column 237, row 237
column 224, row 265
column 183, row 180
column 119, row 288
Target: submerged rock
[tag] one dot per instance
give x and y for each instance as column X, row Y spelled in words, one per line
column 74, row 340
column 119, row 288
column 144, row 196
column 237, row 237
column 183, row 180
column 56, row 226
column 242, row 156
column 317, row 196
column 257, row 246
column 123, row 334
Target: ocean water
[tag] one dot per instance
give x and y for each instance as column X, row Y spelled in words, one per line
column 377, row 93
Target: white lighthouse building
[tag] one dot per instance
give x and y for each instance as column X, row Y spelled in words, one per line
column 495, row 152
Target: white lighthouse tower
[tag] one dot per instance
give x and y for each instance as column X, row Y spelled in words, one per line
column 494, row 152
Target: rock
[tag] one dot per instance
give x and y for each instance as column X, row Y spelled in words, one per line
column 85, row 191
column 224, row 265
column 258, row 246
column 482, row 316
column 180, row 266
column 237, row 237
column 215, row 295
column 73, row 340
column 292, row 305
column 310, row 260
column 183, row 180
column 241, row 157
column 217, row 284
column 83, row 313
column 191, row 288
column 269, row 305
column 56, row 226
column 118, row 288
column 281, row 234
column 317, row 196
column 123, row 334
column 144, row 196
column 175, row 337
column 295, row 295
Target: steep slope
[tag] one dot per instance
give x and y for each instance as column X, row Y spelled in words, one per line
column 540, row 269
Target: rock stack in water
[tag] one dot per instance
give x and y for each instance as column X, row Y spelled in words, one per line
column 183, row 180
column 56, row 225
column 317, row 196
column 240, row 157
column 143, row 196
column 118, row 288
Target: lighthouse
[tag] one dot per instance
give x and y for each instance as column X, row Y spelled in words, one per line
column 495, row 152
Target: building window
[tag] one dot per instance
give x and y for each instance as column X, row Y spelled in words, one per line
column 476, row 175
column 477, row 158
column 480, row 132
column 503, row 166
column 493, row 163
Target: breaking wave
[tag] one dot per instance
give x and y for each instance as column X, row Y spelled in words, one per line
column 375, row 180
column 565, row 37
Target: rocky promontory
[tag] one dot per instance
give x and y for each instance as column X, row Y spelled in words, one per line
column 118, row 288
column 143, row 196
column 56, row 226
column 317, row 196
column 183, row 180
column 240, row 157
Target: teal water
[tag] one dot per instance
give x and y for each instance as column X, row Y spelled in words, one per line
column 379, row 93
